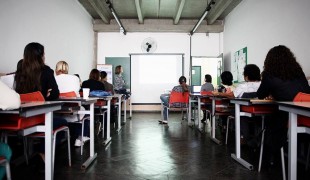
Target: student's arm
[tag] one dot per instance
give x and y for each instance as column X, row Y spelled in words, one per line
column 264, row 88
column 49, row 85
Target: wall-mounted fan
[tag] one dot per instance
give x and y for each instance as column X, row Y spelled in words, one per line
column 148, row 45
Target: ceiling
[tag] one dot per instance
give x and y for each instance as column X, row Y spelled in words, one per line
column 158, row 15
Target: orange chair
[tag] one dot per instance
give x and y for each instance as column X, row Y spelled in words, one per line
column 16, row 123
column 206, row 103
column 36, row 120
column 178, row 100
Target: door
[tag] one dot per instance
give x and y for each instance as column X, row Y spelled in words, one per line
column 196, row 75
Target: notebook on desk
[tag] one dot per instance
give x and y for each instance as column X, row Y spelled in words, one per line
column 196, row 89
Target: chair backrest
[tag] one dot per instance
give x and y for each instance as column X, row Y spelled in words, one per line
column 302, row 97
column 34, row 96
column 68, row 94
column 15, row 122
column 206, row 100
column 206, row 92
column 178, row 99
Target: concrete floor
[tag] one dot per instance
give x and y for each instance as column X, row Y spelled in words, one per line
column 145, row 149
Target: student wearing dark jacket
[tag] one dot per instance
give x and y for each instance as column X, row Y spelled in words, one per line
column 93, row 83
column 36, row 76
column 282, row 79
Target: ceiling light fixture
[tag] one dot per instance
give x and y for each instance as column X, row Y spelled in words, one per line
column 202, row 17
column 122, row 29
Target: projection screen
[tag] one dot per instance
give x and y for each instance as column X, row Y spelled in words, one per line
column 152, row 74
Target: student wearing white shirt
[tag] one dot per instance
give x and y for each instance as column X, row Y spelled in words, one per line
column 66, row 82
column 69, row 83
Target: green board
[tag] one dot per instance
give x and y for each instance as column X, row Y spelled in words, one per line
column 237, row 64
column 125, row 63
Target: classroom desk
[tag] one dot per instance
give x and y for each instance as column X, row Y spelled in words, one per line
column 245, row 102
column 119, row 104
column 108, row 107
column 192, row 99
column 37, row 108
column 196, row 97
column 294, row 109
column 86, row 101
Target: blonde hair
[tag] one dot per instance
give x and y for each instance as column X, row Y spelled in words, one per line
column 62, row 67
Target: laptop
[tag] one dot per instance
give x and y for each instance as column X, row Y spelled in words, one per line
column 196, row 89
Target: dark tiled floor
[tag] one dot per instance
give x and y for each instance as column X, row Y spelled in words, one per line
column 145, row 149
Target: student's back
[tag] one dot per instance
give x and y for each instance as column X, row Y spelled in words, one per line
column 93, row 82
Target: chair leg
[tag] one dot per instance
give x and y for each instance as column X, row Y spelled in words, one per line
column 82, row 142
column 261, row 145
column 283, row 164
column 103, row 123
column 227, row 125
column 54, row 146
column 25, row 142
column 308, row 157
column 69, row 149
column 8, row 170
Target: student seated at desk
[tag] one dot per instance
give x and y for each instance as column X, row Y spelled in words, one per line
column 119, row 82
column 226, row 87
column 36, row 76
column 183, row 87
column 104, row 79
column 208, row 86
column 68, row 83
column 252, row 82
column 9, row 99
column 282, row 79
column 93, row 83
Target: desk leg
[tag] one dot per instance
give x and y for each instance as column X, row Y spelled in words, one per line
column 292, row 160
column 237, row 156
column 108, row 123
column 213, row 138
column 48, row 146
column 189, row 118
column 198, row 118
column 130, row 108
column 125, row 110
column 92, row 155
column 119, row 126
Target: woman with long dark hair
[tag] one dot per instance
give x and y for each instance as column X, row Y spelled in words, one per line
column 35, row 75
column 282, row 79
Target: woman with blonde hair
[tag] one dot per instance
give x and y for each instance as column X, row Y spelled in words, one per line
column 66, row 82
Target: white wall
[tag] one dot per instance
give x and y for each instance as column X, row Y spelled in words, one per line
column 118, row 45
column 62, row 26
column 261, row 25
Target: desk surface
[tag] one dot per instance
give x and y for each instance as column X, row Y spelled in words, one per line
column 301, row 105
column 252, row 101
column 31, row 106
column 79, row 99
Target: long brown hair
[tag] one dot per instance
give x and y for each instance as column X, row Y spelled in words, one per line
column 280, row 62
column 94, row 74
column 29, row 78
